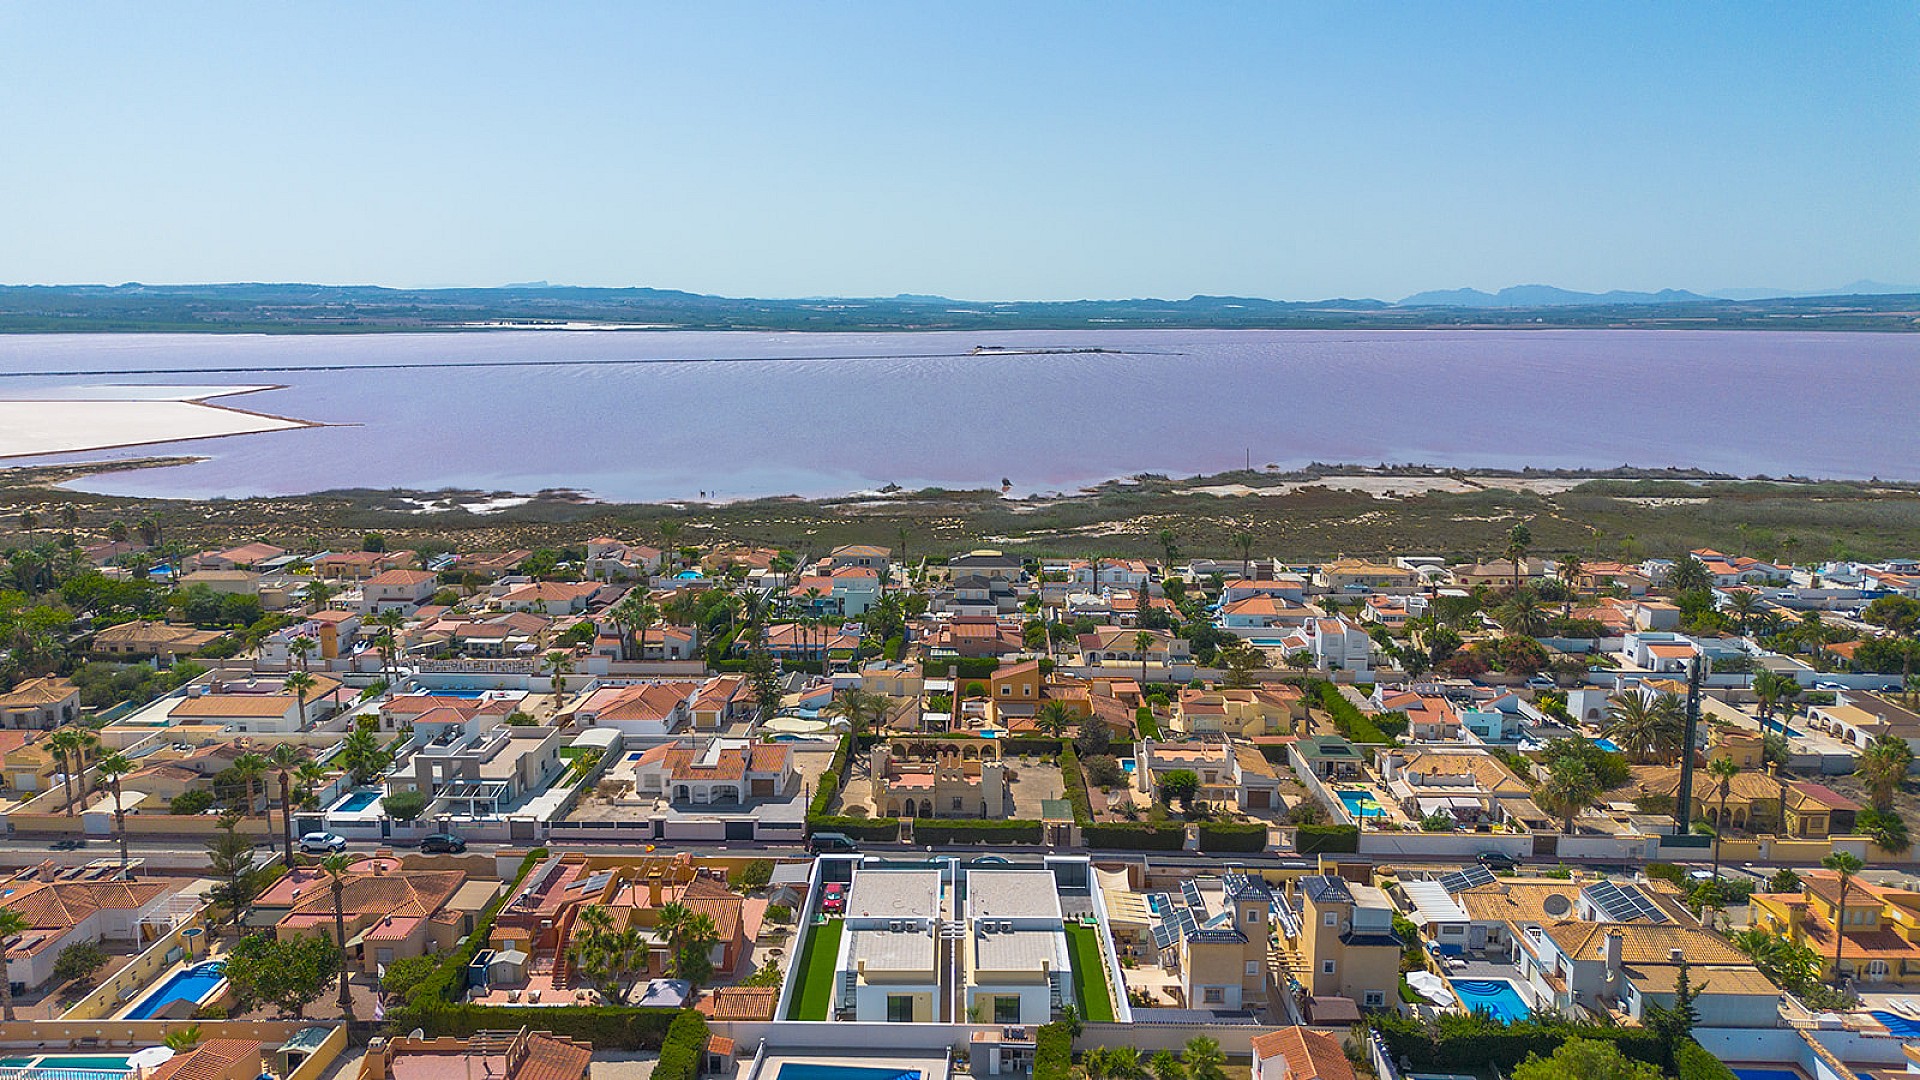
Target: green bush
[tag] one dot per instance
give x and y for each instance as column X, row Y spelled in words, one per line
column 1328, row 839
column 883, row 829
column 1076, row 786
column 1661, row 871
column 1035, row 745
column 1453, row 1042
column 970, row 667
column 1053, row 1052
column 1354, row 725
column 1145, row 724
column 1691, row 1061
column 1134, row 836
column 935, row 831
column 607, row 1026
column 682, row 1049
column 1233, row 836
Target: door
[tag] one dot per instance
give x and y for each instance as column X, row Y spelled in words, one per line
column 740, row 830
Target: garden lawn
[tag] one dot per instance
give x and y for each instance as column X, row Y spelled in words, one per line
column 1089, row 974
column 814, row 969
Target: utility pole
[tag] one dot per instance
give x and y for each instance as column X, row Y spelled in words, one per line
column 1683, row 801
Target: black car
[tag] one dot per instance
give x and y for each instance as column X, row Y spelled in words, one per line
column 1498, row 861
column 443, row 844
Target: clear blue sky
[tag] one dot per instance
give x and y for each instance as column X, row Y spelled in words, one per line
column 995, row 151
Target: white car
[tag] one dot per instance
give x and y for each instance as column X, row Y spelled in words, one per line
column 322, row 843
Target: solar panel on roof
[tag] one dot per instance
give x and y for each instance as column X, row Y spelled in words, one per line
column 1190, row 890
column 1462, row 880
column 1162, row 938
column 1623, row 903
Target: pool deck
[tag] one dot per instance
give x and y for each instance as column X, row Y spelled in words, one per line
column 930, row 1067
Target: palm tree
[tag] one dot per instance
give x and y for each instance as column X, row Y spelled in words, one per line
column 64, row 744
column 1647, row 730
column 1054, row 718
column 249, row 767
column 1724, row 770
column 1519, row 539
column 11, row 923
column 558, row 663
column 1883, row 766
column 1143, row 641
column 861, row 709
column 319, row 591
column 1243, row 539
column 114, row 766
column 1766, row 687
column 1522, row 614
column 1844, row 864
column 1744, row 606
column 286, row 759
column 1169, row 547
column 1570, row 571
column 301, row 684
column 645, row 614
column 1203, row 1059
column 390, row 622
column 336, row 867
column 1569, row 789
column 302, row 646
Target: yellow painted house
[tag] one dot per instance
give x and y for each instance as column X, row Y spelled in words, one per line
column 1880, row 932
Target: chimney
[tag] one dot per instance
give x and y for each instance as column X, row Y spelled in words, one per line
column 1674, row 956
column 653, row 889
column 1613, row 949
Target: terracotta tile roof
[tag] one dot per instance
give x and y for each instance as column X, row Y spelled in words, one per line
column 407, row 893
column 1310, row 1055
column 244, row 705
column 214, row 1059
column 46, row 690
column 1644, row 943
column 55, row 907
column 740, row 1003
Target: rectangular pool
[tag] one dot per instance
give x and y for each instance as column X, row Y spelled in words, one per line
column 192, row 984
column 1496, row 997
column 96, row 1063
column 1360, row 804
column 799, row 1070
column 357, row 801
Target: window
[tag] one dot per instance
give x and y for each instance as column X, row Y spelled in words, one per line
column 1375, row 999
column 1253, row 968
column 1006, row 689
column 1214, row 995
column 956, row 802
column 1331, row 918
column 1006, row 1010
column 899, row 1008
column 1326, row 967
column 383, row 956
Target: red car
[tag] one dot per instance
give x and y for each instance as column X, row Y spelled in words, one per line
column 833, row 898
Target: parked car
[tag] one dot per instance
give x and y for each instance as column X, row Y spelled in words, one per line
column 322, row 843
column 442, row 844
column 1498, row 860
column 833, row 898
column 830, row 842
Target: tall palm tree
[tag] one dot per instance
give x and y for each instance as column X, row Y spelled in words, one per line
column 1143, row 641
column 319, row 591
column 1647, row 730
column 1744, row 606
column 286, row 759
column 645, row 614
column 1522, row 614
column 114, row 766
column 861, row 709
column 1568, row 789
column 302, row 646
column 1722, row 769
column 336, row 868
column 250, row 767
column 64, row 745
column 1844, row 864
column 301, row 684
column 1519, row 539
column 558, row 663
column 1570, row 571
column 1883, row 766
column 11, row 923
column 1243, row 539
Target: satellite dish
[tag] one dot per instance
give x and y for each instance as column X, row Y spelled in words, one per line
column 417, row 1033
column 1555, row 904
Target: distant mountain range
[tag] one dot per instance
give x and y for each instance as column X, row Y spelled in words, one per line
column 1534, row 296
column 358, row 309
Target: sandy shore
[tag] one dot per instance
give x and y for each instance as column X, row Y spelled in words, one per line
column 70, row 419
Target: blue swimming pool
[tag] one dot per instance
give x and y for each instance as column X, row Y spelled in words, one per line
column 358, row 801
column 188, row 984
column 799, row 1070
column 93, row 1063
column 1497, row 997
column 459, row 693
column 1608, row 745
column 1359, row 803
column 1768, row 1074
column 1904, row 1026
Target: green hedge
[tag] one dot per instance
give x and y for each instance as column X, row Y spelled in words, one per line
column 1692, row 1062
column 449, row 981
column 1453, row 1042
column 883, row 829
column 682, row 1049
column 830, row 780
column 1233, row 836
column 971, row 667
column 936, row 831
column 1035, row 745
column 1076, row 787
column 608, row 1026
column 1328, row 839
column 1053, row 1052
column 1354, row 725
column 1134, row 836
column 1145, row 724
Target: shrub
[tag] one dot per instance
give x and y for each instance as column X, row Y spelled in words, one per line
column 935, row 831
column 1103, row 771
column 754, row 875
column 1076, row 787
column 607, row 1026
column 1053, row 1052
column 1691, row 1061
column 1460, row 1043
column 1354, row 725
column 884, row 829
column 79, row 961
column 779, row 913
column 191, row 802
column 1145, row 724
column 1660, row 871
column 1132, row 836
column 1233, row 836
column 1328, row 839
column 683, row 1047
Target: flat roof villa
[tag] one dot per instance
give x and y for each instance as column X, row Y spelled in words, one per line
column 1019, row 969
column 888, row 968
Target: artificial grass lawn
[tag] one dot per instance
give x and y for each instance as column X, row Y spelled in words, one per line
column 1089, row 974
column 815, row 971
